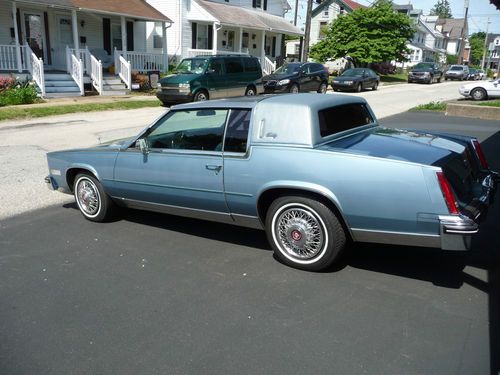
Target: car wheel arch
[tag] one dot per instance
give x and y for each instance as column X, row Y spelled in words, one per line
column 267, row 197
column 74, row 171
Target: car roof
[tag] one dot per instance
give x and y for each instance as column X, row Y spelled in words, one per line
column 313, row 100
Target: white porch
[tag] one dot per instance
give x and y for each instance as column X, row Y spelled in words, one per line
column 83, row 44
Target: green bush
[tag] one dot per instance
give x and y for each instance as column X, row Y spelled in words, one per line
column 19, row 93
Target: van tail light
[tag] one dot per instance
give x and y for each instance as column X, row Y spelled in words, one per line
column 448, row 195
column 480, row 154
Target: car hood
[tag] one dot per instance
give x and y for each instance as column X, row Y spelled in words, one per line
column 107, row 146
column 420, row 70
column 179, row 78
column 397, row 144
column 278, row 77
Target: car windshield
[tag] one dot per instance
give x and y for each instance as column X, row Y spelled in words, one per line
column 423, row 66
column 287, row 69
column 353, row 73
column 192, row 66
column 456, row 68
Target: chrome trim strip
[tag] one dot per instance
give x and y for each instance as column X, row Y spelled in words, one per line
column 169, row 186
column 248, row 221
column 221, row 217
column 396, row 238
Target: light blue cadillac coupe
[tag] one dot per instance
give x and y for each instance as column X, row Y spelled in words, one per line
column 314, row 171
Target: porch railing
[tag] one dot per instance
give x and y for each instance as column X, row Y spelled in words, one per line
column 96, row 74
column 125, row 71
column 35, row 67
column 77, row 72
column 8, row 58
column 85, row 57
column 142, row 61
column 209, row 52
column 268, row 66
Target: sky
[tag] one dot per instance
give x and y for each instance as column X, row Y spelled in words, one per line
column 479, row 11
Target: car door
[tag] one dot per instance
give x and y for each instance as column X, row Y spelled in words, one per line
column 493, row 88
column 235, row 76
column 178, row 167
column 216, row 78
column 305, row 80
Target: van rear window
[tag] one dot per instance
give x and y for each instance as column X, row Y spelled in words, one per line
column 343, row 117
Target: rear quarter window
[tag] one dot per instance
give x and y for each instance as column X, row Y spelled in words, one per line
column 343, row 117
column 234, row 65
column 251, row 65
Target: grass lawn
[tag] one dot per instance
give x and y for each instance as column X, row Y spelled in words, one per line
column 492, row 103
column 394, row 78
column 18, row 112
column 432, row 106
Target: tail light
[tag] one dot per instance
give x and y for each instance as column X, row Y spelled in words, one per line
column 448, row 195
column 480, row 154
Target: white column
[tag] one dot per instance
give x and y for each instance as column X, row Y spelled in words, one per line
column 16, row 35
column 241, row 38
column 124, row 35
column 164, row 45
column 263, row 47
column 214, row 41
column 76, row 39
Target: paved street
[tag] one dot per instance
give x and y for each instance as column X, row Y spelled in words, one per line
column 24, row 143
column 156, row 294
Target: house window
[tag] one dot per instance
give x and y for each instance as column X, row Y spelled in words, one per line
column 297, row 49
column 322, row 30
column 259, row 4
column 158, row 35
column 202, row 37
column 116, row 36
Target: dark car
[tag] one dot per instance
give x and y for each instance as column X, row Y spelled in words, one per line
column 297, row 77
column 426, row 72
column 356, row 79
column 473, row 75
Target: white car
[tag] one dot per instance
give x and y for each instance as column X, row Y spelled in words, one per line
column 481, row 90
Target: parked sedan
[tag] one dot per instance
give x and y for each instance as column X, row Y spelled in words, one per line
column 473, row 75
column 297, row 77
column 356, row 79
column 314, row 171
column 481, row 90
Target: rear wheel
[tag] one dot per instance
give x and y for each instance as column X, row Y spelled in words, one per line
column 92, row 200
column 322, row 88
column 304, row 233
column 294, row 89
column 479, row 94
column 250, row 91
column 200, row 96
column 439, row 79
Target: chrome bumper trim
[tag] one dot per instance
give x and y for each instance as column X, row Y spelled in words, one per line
column 51, row 183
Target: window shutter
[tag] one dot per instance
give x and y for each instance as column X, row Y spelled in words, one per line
column 210, row 37
column 273, row 48
column 106, row 35
column 130, row 36
column 193, row 35
column 265, row 4
column 254, row 3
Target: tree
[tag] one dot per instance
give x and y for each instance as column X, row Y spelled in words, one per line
column 367, row 35
column 442, row 9
column 476, row 42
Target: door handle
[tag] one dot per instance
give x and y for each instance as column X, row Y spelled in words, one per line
column 215, row 168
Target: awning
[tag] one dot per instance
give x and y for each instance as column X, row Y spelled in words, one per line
column 138, row 9
column 230, row 15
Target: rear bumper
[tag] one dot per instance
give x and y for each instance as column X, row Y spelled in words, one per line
column 456, row 230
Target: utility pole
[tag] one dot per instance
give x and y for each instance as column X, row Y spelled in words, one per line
column 305, row 47
column 462, row 34
column 296, row 11
column 485, row 44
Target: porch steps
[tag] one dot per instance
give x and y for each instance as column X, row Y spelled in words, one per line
column 60, row 85
column 112, row 85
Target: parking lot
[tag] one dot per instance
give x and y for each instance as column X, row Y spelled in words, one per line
column 156, row 294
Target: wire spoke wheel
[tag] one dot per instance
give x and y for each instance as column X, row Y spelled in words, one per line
column 88, row 197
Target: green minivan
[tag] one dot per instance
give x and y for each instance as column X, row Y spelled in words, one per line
column 211, row 77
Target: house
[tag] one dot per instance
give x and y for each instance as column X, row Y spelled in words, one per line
column 493, row 53
column 202, row 27
column 452, row 29
column 62, row 44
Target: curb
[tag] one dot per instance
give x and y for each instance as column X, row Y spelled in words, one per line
column 473, row 111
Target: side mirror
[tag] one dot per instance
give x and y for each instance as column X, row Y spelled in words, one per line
column 143, row 145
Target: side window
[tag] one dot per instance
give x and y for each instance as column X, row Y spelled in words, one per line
column 217, row 66
column 251, row 64
column 237, row 131
column 234, row 65
column 200, row 129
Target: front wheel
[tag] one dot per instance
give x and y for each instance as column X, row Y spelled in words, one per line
column 358, row 87
column 304, row 233
column 200, row 96
column 478, row 94
column 375, row 86
column 250, row 91
column 294, row 89
column 92, row 200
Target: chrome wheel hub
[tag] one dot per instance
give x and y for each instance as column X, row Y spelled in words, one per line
column 88, row 197
column 300, row 233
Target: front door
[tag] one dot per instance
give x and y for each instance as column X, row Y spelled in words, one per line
column 33, row 27
column 182, row 170
column 64, row 38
